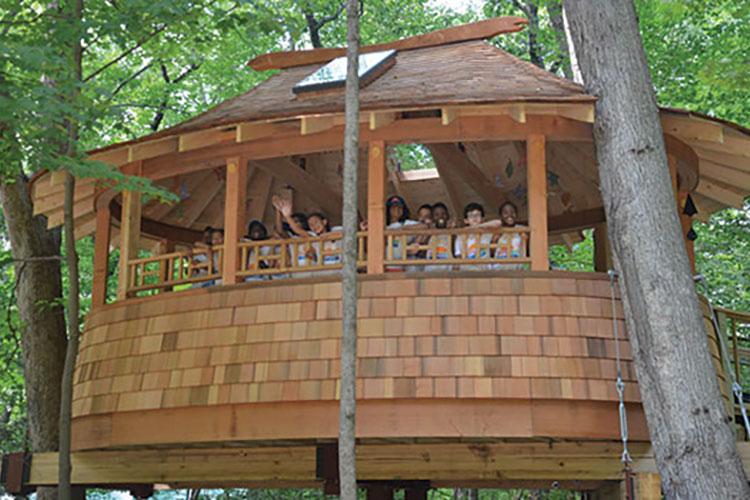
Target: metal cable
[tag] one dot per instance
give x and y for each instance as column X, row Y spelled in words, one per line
column 619, row 384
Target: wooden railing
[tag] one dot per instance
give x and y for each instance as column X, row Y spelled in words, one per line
column 162, row 272
column 737, row 327
column 412, row 249
column 487, row 248
column 298, row 255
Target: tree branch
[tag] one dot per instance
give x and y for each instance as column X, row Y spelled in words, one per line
column 130, row 79
column 126, row 53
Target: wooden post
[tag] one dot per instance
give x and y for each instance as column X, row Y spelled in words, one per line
column 234, row 216
column 376, row 207
column 647, row 486
column 101, row 257
column 602, row 251
column 536, row 180
column 685, row 222
column 130, row 232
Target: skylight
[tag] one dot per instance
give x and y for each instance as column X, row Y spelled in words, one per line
column 333, row 74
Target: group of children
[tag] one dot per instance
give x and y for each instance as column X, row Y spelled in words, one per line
column 465, row 246
column 318, row 244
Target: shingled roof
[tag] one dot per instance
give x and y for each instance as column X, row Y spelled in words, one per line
column 473, row 72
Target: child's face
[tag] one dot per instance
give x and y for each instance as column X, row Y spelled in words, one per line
column 395, row 212
column 217, row 238
column 317, row 225
column 508, row 215
column 474, row 218
column 256, row 233
column 425, row 215
column 439, row 213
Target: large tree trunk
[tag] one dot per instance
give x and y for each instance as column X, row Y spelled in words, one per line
column 38, row 295
column 347, row 409
column 690, row 430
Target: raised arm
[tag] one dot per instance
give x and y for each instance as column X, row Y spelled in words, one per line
column 285, row 208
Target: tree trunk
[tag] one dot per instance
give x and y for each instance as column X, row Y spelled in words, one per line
column 558, row 25
column 347, row 469
column 66, row 400
column 691, row 433
column 38, row 293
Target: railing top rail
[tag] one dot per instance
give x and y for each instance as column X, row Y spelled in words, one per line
column 739, row 315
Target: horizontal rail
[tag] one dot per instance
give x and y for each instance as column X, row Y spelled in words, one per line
column 486, row 247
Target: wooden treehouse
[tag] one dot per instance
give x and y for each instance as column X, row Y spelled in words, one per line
column 493, row 372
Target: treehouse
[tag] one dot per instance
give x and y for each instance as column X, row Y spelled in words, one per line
column 218, row 364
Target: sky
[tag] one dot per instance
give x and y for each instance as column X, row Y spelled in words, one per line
column 459, row 5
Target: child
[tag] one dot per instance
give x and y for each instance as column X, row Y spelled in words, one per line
column 509, row 245
column 440, row 243
column 473, row 245
column 397, row 217
column 256, row 231
column 215, row 238
column 424, row 215
column 331, row 248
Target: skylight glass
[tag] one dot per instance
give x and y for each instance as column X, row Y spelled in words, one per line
column 333, row 74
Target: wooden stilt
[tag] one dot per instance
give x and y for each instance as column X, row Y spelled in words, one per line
column 101, row 257
column 536, row 181
column 379, row 492
column 647, row 486
column 376, row 207
column 234, row 214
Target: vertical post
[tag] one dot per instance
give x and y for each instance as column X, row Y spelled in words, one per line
column 536, row 180
column 680, row 198
column 101, row 257
column 375, row 207
column 234, row 216
column 130, row 232
column 602, row 251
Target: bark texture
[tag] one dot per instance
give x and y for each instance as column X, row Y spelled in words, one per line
column 38, row 295
column 690, row 430
column 347, row 410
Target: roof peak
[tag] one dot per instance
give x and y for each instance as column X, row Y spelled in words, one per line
column 480, row 30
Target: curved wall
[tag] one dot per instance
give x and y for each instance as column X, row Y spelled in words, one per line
column 519, row 354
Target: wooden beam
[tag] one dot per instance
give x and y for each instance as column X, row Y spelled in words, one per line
column 158, row 230
column 113, row 156
column 448, row 115
column 101, row 258
column 517, row 112
column 733, row 144
column 305, row 183
column 234, row 212
column 46, row 204
column 130, row 231
column 376, row 207
column 449, row 154
column 81, row 208
column 204, row 138
column 690, row 128
column 152, row 149
column 450, row 183
column 536, row 181
column 259, row 191
column 582, row 112
column 602, row 250
column 317, row 123
column 473, row 31
column 722, row 194
column 251, row 131
column 381, row 119
column 576, row 221
column 728, row 160
column 728, row 175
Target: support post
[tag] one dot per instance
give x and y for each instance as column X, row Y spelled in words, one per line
column 101, row 257
column 602, row 250
column 536, row 180
column 234, row 216
column 685, row 222
column 130, row 231
column 376, row 207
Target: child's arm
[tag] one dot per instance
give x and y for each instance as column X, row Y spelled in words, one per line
column 285, row 207
column 278, row 219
